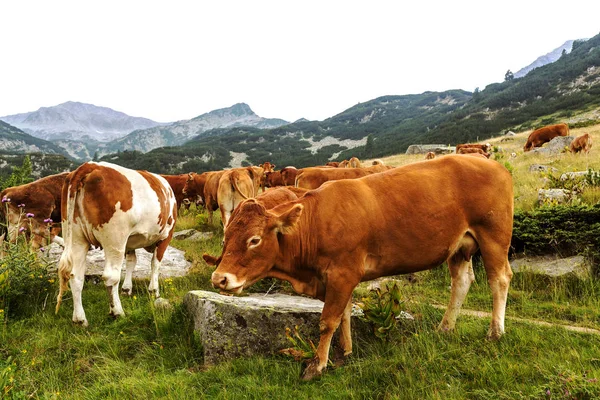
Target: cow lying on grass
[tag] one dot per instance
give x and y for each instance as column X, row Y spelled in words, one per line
column 407, row 219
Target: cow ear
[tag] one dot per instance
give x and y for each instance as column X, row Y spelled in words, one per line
column 286, row 222
column 211, row 260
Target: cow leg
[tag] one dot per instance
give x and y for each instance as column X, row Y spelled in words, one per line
column 157, row 257
column 461, row 273
column 112, row 277
column 130, row 262
column 499, row 274
column 338, row 295
column 345, row 345
column 78, row 253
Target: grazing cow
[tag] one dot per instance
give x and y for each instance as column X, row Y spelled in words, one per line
column 236, row 185
column 354, row 162
column 40, row 200
column 120, row 210
column 273, row 179
column 484, row 147
column 472, row 150
column 288, row 175
column 313, row 177
column 430, row 155
column 177, row 183
column 545, row 134
column 408, row 219
column 581, row 143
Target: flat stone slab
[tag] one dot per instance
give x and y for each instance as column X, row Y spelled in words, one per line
column 553, row 266
column 232, row 327
column 173, row 263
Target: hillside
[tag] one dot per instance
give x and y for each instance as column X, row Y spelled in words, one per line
column 567, row 90
column 15, row 140
column 546, row 59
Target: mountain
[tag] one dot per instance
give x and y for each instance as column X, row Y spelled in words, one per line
column 14, row 140
column 180, row 132
column 547, row 58
column 567, row 90
column 77, row 121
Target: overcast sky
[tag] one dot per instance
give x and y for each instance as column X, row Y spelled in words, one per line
column 174, row 60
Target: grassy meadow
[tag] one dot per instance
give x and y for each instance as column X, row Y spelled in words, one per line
column 154, row 353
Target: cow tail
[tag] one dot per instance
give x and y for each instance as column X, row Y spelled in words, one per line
column 65, row 264
column 234, row 182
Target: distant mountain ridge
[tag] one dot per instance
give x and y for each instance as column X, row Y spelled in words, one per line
column 14, row 140
column 77, row 121
column 547, row 58
column 178, row 133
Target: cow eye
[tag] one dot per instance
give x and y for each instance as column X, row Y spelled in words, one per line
column 253, row 241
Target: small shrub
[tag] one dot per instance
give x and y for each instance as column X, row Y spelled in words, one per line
column 382, row 308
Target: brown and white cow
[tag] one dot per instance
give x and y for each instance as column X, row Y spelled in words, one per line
column 581, row 143
column 545, row 134
column 33, row 208
column 120, row 210
column 472, row 150
column 236, row 185
column 408, row 219
column 313, row 177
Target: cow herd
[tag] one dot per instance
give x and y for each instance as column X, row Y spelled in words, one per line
column 324, row 229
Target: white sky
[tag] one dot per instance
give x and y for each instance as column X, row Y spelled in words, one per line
column 173, row 60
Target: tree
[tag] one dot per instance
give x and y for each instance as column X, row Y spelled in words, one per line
column 95, row 156
column 369, row 146
column 509, row 76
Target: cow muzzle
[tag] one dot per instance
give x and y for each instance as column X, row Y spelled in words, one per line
column 226, row 282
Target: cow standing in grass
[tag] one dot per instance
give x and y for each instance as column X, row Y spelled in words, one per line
column 119, row 210
column 408, row 219
column 545, row 134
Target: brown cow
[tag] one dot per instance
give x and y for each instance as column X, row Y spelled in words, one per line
column 581, row 143
column 377, row 162
column 344, row 164
column 33, row 208
column 334, row 164
column 472, row 150
column 545, row 134
column 276, row 196
column 267, row 167
column 235, row 185
column 120, row 210
column 177, row 183
column 288, row 175
column 354, row 162
column 194, row 187
column 408, row 219
column 430, row 155
column 484, row 147
column 205, row 186
column 273, row 179
column 313, row 177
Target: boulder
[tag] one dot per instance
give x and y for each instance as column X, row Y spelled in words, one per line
column 426, row 148
column 541, row 168
column 231, row 327
column 553, row 266
column 173, row 263
column 558, row 196
column 553, row 147
column 573, row 175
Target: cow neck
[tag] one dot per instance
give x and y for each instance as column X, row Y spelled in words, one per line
column 297, row 250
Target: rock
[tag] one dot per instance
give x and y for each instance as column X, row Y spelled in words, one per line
column 184, row 234
column 173, row 263
column 553, row 266
column 232, row 327
column 426, row 148
column 201, row 236
column 541, row 168
column 162, row 304
column 554, row 147
column 553, row 195
column 510, row 133
column 572, row 175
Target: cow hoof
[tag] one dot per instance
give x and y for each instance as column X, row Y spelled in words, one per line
column 339, row 358
column 83, row 323
column 312, row 370
column 116, row 315
column 493, row 335
column 126, row 291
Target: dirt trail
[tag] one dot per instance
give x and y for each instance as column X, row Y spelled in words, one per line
column 483, row 314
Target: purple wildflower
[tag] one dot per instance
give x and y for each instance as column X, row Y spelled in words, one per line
column 42, row 249
column 21, row 229
column 30, row 215
column 21, row 205
column 5, row 199
column 48, row 220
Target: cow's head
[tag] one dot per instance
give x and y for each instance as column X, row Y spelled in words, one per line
column 251, row 244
